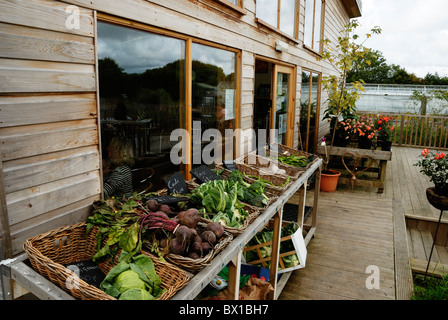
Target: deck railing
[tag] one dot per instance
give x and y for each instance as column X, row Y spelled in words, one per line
column 418, row 131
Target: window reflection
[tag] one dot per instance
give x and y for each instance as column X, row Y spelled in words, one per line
column 288, row 16
column 267, row 10
column 309, row 110
column 282, row 106
column 142, row 96
column 213, row 98
column 313, row 24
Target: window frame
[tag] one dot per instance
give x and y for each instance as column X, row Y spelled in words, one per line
column 322, row 25
column 189, row 40
column 236, row 7
column 277, row 27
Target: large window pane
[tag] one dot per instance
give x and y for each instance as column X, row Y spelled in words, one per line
column 317, row 25
column 213, row 99
column 309, row 110
column 309, row 21
column 313, row 24
column 142, row 96
column 282, row 101
column 267, row 11
column 288, row 16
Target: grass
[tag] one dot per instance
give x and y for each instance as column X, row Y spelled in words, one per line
column 431, row 288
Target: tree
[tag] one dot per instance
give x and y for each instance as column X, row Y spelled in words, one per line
column 424, row 97
column 344, row 56
column 377, row 71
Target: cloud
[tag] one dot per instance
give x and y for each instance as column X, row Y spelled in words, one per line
column 414, row 33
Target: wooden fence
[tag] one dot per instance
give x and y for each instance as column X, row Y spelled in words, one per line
column 417, row 130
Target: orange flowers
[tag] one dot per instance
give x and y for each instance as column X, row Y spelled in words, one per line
column 439, row 156
column 435, row 166
column 384, row 127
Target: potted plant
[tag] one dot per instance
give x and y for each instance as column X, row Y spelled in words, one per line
column 329, row 177
column 384, row 128
column 435, row 166
column 364, row 130
column 345, row 55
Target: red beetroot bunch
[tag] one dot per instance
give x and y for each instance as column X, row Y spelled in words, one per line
column 190, row 239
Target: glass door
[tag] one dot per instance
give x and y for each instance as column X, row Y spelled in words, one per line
column 282, row 111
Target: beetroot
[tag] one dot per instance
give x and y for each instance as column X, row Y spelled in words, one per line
column 194, row 255
column 177, row 247
column 206, row 247
column 180, row 215
column 216, row 228
column 183, row 233
column 196, row 238
column 189, row 218
column 164, row 208
column 152, row 204
column 196, row 247
column 208, row 236
column 162, row 214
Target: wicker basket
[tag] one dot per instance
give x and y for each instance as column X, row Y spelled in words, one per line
column 264, row 163
column 282, row 149
column 280, row 182
column 253, row 214
column 196, row 265
column 49, row 251
column 272, row 197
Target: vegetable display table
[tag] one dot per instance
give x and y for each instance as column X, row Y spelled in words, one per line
column 19, row 278
column 232, row 253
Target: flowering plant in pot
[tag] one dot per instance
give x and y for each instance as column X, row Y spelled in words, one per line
column 435, row 166
column 364, row 129
column 385, row 129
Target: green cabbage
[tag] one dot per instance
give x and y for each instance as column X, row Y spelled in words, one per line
column 136, row 280
column 136, row 294
column 128, row 280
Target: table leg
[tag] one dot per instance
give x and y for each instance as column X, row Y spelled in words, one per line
column 275, row 250
column 234, row 277
column 382, row 175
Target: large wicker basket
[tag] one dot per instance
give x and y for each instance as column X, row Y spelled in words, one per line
column 254, row 212
column 285, row 150
column 264, row 163
column 196, row 265
column 272, row 197
column 280, row 182
column 48, row 253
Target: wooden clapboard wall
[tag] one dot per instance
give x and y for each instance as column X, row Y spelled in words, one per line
column 211, row 21
column 49, row 131
column 48, row 117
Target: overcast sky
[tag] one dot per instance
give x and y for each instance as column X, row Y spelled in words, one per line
column 414, row 33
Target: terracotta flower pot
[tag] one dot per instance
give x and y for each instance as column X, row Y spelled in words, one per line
column 329, row 181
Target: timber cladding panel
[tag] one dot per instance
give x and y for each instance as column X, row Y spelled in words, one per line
column 49, row 139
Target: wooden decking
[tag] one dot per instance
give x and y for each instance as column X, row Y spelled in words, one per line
column 360, row 228
column 352, row 234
